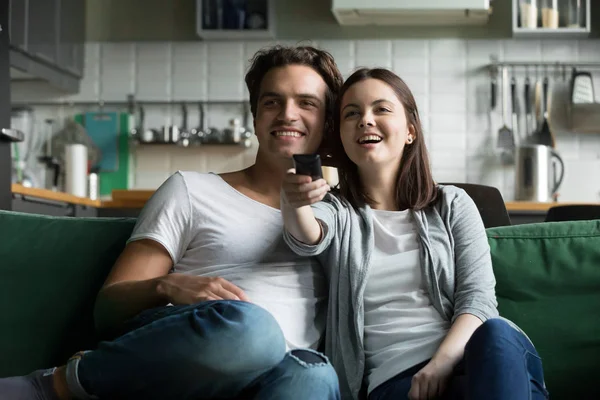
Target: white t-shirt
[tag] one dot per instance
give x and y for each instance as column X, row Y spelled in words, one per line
column 402, row 328
column 211, row 229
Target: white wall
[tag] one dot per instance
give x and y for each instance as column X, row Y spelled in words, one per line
column 446, row 76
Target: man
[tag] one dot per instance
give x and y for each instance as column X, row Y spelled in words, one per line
column 206, row 299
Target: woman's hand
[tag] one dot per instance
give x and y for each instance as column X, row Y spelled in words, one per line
column 300, row 190
column 431, row 381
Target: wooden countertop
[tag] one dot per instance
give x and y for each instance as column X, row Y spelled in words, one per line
column 52, row 195
column 137, row 199
column 533, row 206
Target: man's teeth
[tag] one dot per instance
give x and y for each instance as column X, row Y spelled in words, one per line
column 369, row 138
column 286, row 133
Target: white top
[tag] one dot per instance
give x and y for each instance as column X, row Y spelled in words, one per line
column 402, row 328
column 211, row 229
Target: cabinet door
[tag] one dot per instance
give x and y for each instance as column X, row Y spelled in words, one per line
column 5, row 159
column 71, row 35
column 42, row 29
column 18, row 23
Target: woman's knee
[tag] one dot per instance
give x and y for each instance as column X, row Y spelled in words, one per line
column 495, row 333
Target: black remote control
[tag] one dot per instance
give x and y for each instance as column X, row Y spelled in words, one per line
column 308, row 164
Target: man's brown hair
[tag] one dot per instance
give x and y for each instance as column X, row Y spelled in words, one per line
column 280, row 56
column 415, row 187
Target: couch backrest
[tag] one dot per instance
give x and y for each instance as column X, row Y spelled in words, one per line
column 50, row 272
column 51, row 268
column 548, row 283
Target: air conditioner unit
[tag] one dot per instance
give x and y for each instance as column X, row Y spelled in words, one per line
column 411, row 12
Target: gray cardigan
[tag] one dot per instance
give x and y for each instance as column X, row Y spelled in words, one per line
column 455, row 261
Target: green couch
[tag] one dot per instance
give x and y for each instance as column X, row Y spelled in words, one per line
column 548, row 282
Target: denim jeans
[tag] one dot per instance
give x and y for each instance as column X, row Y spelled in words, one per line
column 500, row 363
column 211, row 350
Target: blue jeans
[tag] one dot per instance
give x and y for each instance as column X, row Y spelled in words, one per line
column 211, row 350
column 500, row 363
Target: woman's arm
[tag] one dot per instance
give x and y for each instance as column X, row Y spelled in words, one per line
column 474, row 291
column 452, row 348
column 298, row 192
column 431, row 381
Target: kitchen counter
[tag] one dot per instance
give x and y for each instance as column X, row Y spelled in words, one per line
column 137, row 199
column 51, row 195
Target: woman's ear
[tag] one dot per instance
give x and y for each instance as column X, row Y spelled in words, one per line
column 411, row 134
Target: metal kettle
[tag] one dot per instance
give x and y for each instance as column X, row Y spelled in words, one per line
column 536, row 178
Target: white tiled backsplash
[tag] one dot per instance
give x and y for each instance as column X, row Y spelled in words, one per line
column 447, row 77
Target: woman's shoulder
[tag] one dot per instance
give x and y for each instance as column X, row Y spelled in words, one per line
column 449, row 194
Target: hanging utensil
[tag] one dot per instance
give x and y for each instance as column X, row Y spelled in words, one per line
column 582, row 87
column 506, row 140
column 515, row 119
column 527, row 102
column 184, row 133
column 543, row 136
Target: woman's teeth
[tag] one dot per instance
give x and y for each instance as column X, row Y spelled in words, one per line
column 369, row 139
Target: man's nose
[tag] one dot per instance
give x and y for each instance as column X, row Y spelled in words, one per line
column 289, row 112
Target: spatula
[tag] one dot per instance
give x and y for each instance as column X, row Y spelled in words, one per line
column 506, row 141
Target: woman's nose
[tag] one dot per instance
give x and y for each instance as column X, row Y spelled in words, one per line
column 364, row 122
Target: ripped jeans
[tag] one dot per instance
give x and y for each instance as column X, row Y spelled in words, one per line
column 212, row 350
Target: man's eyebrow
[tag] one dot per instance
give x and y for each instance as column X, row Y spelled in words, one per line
column 301, row 95
column 269, row 94
column 310, row 96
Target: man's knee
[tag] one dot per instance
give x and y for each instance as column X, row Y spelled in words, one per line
column 246, row 337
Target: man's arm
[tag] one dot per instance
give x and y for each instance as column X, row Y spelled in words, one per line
column 132, row 285
column 140, row 280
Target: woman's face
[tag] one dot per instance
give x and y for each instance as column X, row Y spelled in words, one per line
column 373, row 125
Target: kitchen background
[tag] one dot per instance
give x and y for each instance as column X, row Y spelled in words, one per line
column 449, row 76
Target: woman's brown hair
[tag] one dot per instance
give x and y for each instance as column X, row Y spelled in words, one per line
column 415, row 187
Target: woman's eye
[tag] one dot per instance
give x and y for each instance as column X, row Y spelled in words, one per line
column 350, row 114
column 270, row 102
column 383, row 109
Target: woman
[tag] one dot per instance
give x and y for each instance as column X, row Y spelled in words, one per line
column 412, row 308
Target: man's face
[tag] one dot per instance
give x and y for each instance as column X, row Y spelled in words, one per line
column 290, row 113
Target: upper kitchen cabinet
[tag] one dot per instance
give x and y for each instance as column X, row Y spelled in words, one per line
column 551, row 18
column 43, row 18
column 235, row 19
column 47, row 41
column 72, row 36
column 18, row 23
column 411, row 12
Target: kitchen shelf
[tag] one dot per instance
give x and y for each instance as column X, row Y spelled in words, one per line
column 562, row 32
column 229, row 145
column 548, row 33
column 251, row 9
column 125, row 103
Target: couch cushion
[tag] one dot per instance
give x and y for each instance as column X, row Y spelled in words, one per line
column 548, row 283
column 50, row 272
